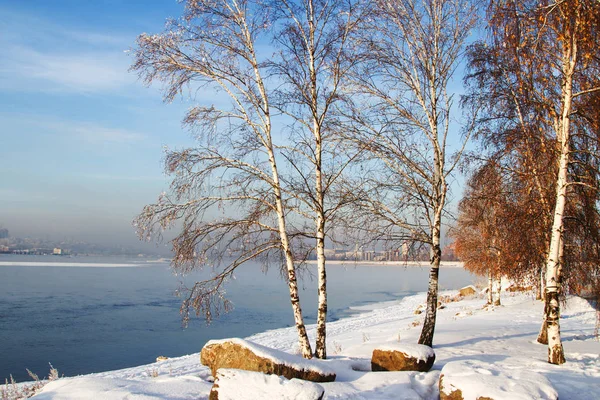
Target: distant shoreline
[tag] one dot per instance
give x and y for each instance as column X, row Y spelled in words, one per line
column 65, row 264
column 411, row 264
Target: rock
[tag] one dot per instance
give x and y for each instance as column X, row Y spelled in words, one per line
column 517, row 288
column 476, row 380
column 161, row 358
column 418, row 311
column 402, row 357
column 235, row 384
column 467, row 291
column 242, row 354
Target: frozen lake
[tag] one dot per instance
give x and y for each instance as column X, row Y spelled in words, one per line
column 86, row 314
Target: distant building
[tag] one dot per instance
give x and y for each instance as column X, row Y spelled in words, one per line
column 57, row 251
column 4, row 233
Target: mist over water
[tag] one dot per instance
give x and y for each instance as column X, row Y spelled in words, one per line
column 91, row 319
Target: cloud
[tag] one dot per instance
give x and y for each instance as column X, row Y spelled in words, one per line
column 83, row 131
column 94, row 133
column 97, row 134
column 27, row 69
column 41, row 56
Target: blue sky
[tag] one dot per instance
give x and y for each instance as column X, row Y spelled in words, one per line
column 81, row 140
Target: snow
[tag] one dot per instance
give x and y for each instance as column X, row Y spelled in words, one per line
column 278, row 356
column 500, row 338
column 405, row 264
column 235, row 384
column 93, row 387
column 63, row 264
column 476, row 379
column 416, row 351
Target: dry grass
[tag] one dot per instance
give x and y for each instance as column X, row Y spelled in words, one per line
column 11, row 390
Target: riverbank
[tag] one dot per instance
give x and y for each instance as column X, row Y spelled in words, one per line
column 406, row 264
column 503, row 336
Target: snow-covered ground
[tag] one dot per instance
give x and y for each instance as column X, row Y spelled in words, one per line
column 362, row 263
column 500, row 336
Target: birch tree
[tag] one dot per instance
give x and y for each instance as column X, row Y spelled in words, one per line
column 557, row 41
column 483, row 228
column 313, row 60
column 402, row 115
column 234, row 166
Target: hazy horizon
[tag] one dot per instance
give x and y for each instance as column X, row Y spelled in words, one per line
column 83, row 139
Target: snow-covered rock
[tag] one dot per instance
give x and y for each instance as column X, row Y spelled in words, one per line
column 242, row 354
column 235, row 384
column 468, row 291
column 472, row 380
column 402, row 357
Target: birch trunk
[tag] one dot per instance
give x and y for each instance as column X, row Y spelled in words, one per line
column 303, row 341
column 555, row 348
column 498, row 290
column 543, row 335
column 490, row 298
column 428, row 330
column 539, row 295
column 320, row 345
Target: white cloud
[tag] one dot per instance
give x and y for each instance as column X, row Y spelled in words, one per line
column 83, row 131
column 98, row 134
column 91, row 72
column 38, row 55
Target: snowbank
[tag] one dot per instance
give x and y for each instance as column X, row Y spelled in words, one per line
column 500, row 336
column 476, row 379
column 235, row 384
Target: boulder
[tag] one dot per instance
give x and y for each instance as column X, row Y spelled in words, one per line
column 467, row 291
column 517, row 288
column 242, row 354
column 161, row 358
column 402, row 357
column 235, row 384
column 476, row 380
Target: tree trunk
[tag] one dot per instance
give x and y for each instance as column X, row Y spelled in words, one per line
column 498, row 290
column 555, row 349
column 321, row 346
column 319, row 208
column 426, row 337
column 303, row 341
column 543, row 335
column 539, row 295
column 490, row 288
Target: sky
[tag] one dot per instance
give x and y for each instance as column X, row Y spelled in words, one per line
column 81, row 139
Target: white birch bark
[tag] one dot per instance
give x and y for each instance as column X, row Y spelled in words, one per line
column 498, row 290
column 428, row 330
column 540, row 286
column 303, row 341
column 490, row 298
column 555, row 348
